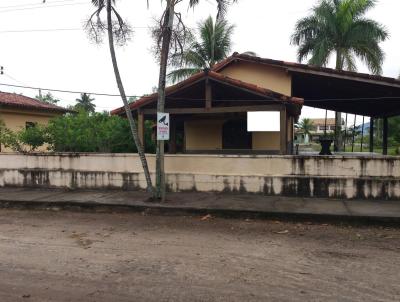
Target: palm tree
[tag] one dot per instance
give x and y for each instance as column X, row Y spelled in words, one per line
column 117, row 29
column 340, row 27
column 85, row 103
column 306, row 125
column 214, row 45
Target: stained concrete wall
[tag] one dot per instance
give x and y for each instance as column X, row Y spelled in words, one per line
column 307, row 176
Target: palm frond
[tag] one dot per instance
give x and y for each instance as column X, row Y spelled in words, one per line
column 340, row 26
column 181, row 74
column 349, row 61
column 372, row 55
column 222, row 6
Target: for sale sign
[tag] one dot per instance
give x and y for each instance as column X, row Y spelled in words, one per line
column 162, row 126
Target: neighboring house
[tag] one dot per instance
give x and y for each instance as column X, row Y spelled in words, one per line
column 320, row 125
column 18, row 112
column 317, row 131
column 208, row 110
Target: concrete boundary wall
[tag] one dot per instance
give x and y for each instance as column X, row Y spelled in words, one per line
column 306, row 176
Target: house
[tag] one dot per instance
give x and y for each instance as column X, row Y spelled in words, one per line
column 209, row 115
column 320, row 127
column 205, row 106
column 18, row 112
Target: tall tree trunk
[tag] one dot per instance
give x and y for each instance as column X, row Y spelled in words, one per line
column 128, row 111
column 338, row 144
column 166, row 40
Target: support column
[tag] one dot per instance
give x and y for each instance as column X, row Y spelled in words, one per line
column 338, row 132
column 208, row 94
column 172, row 139
column 371, row 135
column 141, row 128
column 283, row 131
column 385, row 136
column 290, row 134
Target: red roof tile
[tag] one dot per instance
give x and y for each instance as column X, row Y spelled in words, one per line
column 217, row 77
column 291, row 65
column 20, row 101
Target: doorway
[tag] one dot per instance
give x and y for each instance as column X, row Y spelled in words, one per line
column 235, row 135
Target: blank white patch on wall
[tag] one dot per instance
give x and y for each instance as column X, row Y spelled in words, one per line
column 264, row 121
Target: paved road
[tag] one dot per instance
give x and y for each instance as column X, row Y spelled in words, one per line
column 71, row 256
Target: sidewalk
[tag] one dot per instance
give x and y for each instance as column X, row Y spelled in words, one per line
column 227, row 204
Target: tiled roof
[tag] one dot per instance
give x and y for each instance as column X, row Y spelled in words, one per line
column 321, row 121
column 302, row 67
column 217, row 77
column 14, row 100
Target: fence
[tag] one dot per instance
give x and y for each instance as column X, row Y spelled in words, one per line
column 305, row 176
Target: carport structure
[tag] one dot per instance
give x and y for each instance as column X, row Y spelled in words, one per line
column 361, row 94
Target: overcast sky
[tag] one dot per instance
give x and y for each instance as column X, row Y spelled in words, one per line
column 67, row 60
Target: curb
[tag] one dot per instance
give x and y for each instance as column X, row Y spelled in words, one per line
column 157, row 209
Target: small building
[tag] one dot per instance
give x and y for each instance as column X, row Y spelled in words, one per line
column 18, row 112
column 208, row 114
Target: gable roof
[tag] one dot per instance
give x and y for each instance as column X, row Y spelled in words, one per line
column 13, row 100
column 216, row 77
column 298, row 67
column 321, row 121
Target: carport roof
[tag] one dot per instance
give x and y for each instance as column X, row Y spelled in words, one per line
column 331, row 89
column 298, row 67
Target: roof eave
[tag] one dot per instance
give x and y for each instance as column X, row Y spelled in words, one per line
column 303, row 68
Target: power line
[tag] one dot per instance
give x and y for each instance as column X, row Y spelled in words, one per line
column 13, row 79
column 33, row 4
column 305, row 100
column 197, row 99
column 38, row 30
column 54, row 30
column 66, row 91
column 355, row 99
column 40, row 7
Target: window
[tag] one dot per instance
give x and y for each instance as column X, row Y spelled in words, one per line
column 30, row 125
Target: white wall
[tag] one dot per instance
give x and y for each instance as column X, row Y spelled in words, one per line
column 339, row 177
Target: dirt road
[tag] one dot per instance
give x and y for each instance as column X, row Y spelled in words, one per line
column 69, row 256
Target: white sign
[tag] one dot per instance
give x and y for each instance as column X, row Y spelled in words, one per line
column 162, row 126
column 264, row 121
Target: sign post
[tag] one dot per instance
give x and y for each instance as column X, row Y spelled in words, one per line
column 162, row 126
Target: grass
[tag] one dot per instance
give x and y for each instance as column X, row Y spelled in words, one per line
column 357, row 148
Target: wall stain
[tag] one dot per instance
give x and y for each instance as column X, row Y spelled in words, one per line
column 295, row 183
